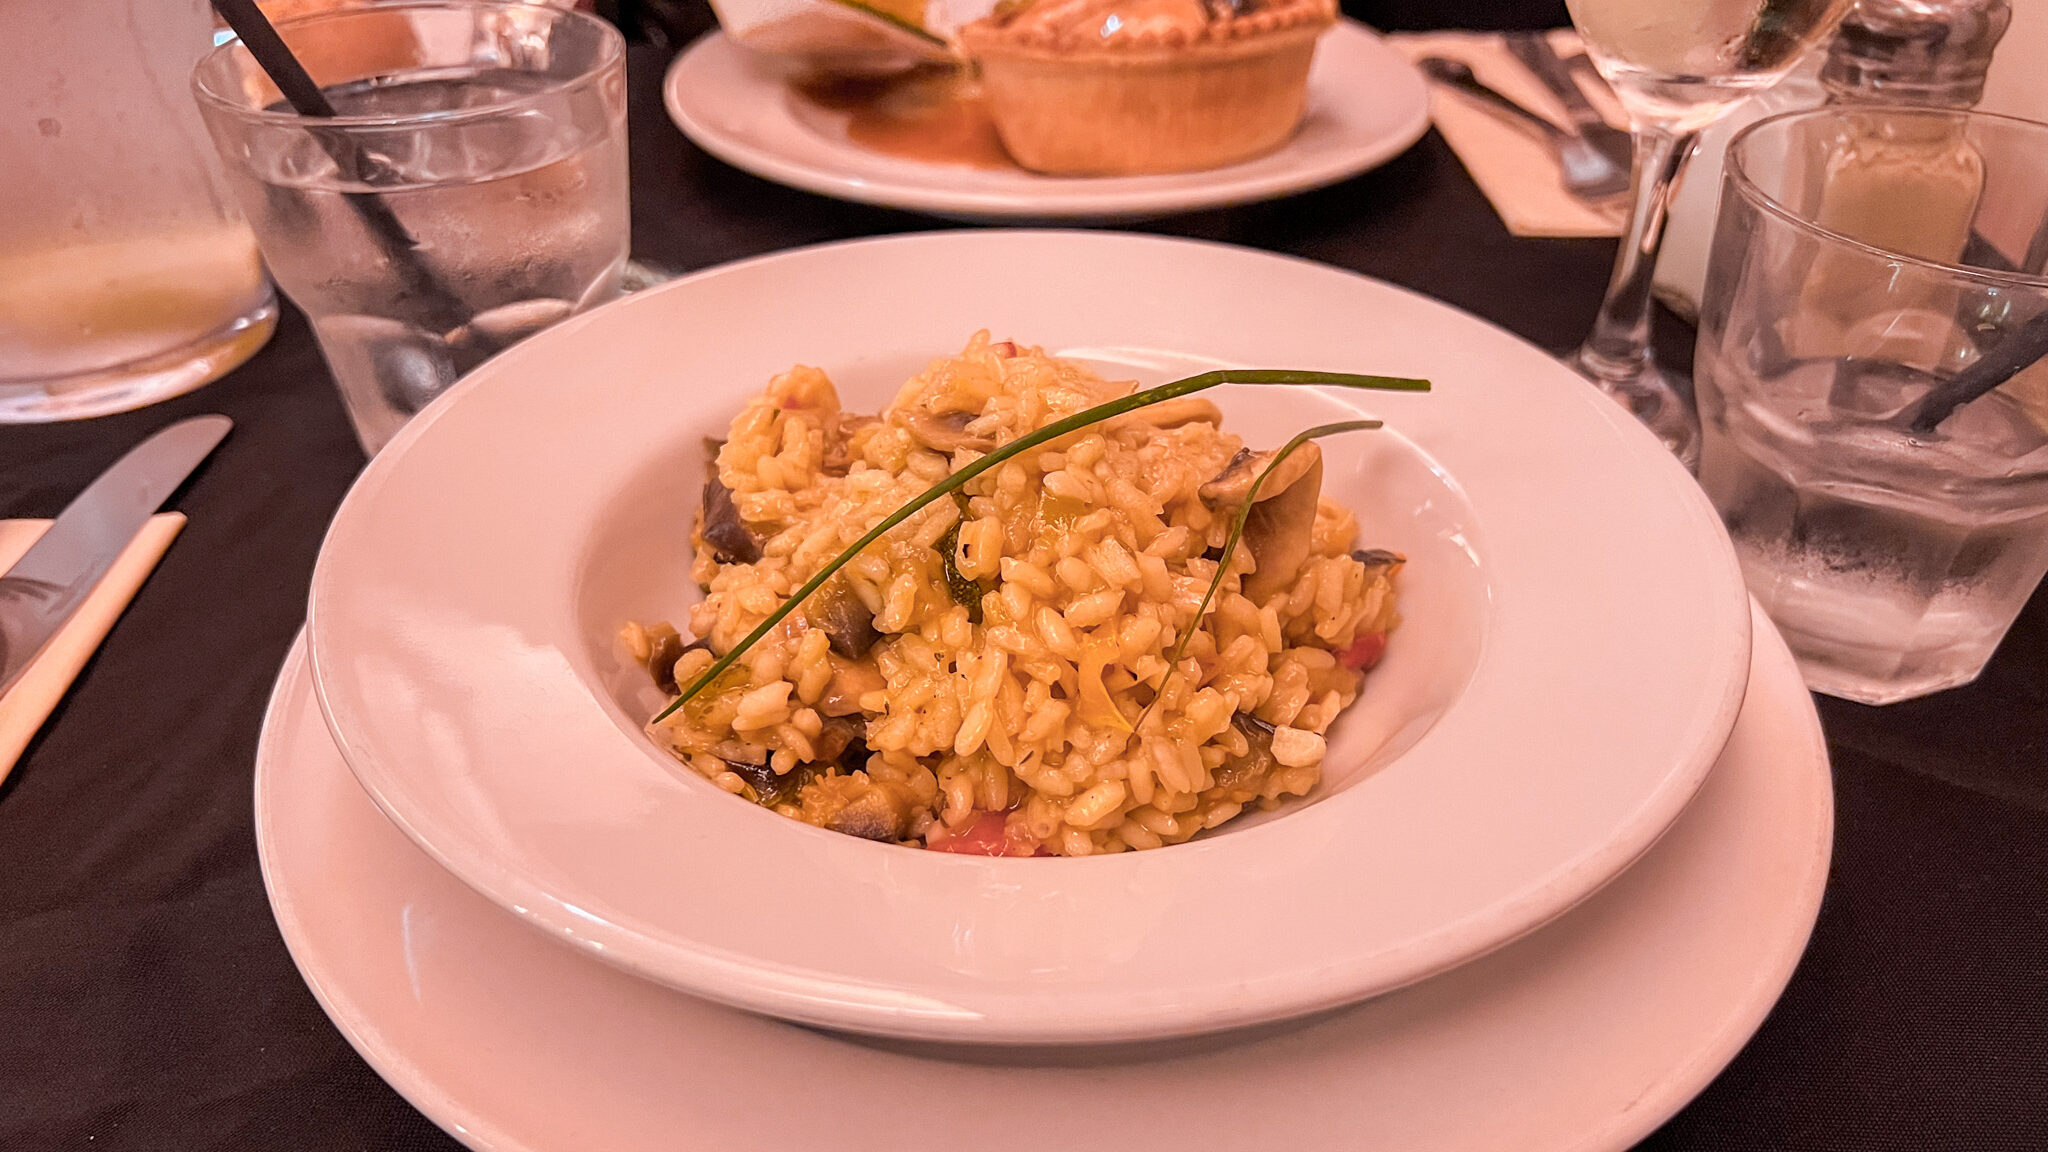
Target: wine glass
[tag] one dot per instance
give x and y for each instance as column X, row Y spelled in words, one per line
column 1676, row 66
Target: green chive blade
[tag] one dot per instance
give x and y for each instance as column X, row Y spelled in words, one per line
column 1237, row 523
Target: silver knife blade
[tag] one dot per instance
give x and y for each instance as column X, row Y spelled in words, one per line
column 54, row 576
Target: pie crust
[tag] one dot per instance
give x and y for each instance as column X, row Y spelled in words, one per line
column 1124, row 87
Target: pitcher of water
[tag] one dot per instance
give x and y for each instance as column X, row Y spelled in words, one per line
column 126, row 273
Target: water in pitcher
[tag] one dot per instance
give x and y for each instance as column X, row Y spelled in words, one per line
column 126, row 275
column 80, row 307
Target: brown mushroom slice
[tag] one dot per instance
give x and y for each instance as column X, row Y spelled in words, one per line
column 947, row 431
column 848, row 684
column 719, row 526
column 837, row 459
column 874, row 813
column 1239, row 778
column 770, row 787
column 1280, row 530
column 1228, row 488
column 664, row 647
column 843, row 742
column 739, row 752
column 844, row 618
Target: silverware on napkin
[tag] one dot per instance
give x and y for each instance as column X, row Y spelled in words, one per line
column 1588, row 173
column 43, row 588
column 1534, row 52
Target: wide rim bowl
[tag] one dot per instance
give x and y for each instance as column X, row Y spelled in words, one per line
column 1589, row 654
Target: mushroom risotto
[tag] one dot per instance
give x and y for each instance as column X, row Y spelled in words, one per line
column 993, row 675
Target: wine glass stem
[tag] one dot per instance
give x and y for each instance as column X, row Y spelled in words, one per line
column 1619, row 345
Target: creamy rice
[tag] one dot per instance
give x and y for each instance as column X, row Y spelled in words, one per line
column 988, row 676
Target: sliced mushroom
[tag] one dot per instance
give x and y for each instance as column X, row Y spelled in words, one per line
column 838, row 457
column 1378, row 558
column 1240, row 777
column 844, row 743
column 848, row 684
column 730, row 540
column 844, row 619
column 664, row 647
column 770, row 787
column 1228, row 488
column 739, row 753
column 947, row 431
column 873, row 814
column 1281, row 527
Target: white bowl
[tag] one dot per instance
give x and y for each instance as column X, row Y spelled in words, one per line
column 1574, row 650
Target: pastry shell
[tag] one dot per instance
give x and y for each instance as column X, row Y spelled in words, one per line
column 1134, row 110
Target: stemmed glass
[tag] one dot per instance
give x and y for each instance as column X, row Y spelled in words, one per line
column 1676, row 66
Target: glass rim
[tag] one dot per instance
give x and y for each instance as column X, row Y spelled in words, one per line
column 1738, row 173
column 611, row 52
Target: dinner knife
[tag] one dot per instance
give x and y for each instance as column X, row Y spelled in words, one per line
column 1534, row 51
column 54, row 576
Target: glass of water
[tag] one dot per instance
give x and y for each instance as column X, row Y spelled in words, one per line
column 1864, row 256
column 1676, row 66
column 470, row 191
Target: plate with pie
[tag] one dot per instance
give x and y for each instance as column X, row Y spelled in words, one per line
column 941, row 141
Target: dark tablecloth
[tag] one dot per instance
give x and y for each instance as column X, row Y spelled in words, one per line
column 147, row 1002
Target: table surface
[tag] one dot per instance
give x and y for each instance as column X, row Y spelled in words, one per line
column 147, row 1002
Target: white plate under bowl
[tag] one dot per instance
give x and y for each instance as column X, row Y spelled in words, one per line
column 1573, row 651
column 1581, row 1038
column 1366, row 105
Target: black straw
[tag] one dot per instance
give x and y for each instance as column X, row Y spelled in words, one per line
column 2006, row 359
column 445, row 309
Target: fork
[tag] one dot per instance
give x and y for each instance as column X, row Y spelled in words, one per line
column 1588, row 173
column 1534, row 52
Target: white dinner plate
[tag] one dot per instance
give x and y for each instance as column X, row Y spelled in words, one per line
column 1366, row 105
column 1571, row 658
column 1583, row 1037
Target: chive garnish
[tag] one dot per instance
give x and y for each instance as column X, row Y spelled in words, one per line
column 1244, row 512
column 1053, row 431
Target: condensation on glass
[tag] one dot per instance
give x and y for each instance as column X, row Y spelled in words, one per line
column 1893, row 556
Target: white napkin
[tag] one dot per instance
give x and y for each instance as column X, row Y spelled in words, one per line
column 33, row 697
column 1513, row 166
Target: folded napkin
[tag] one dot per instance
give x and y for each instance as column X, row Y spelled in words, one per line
column 33, row 697
column 1512, row 165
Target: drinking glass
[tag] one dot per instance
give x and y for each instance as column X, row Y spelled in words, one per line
column 471, row 191
column 1892, row 558
column 126, row 275
column 1676, row 66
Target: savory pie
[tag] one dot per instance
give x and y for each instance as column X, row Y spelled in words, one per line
column 1121, row 87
